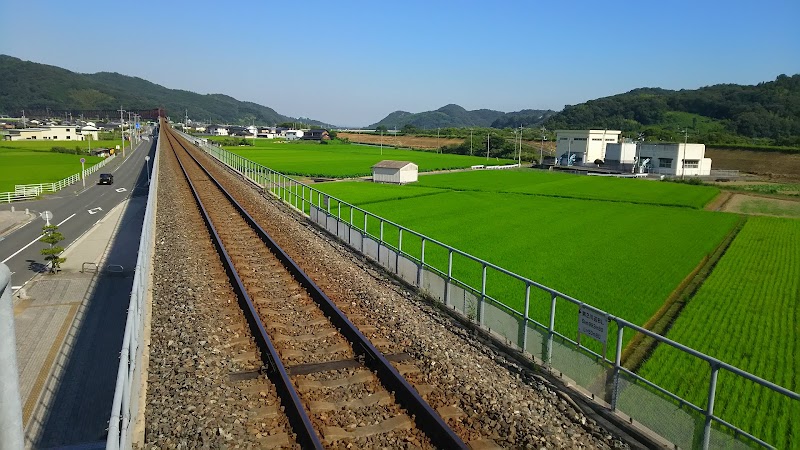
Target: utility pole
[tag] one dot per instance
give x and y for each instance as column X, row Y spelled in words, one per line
column 519, row 161
column 470, row 142
column 685, row 143
column 541, row 149
column 122, row 129
column 381, row 141
column 487, row 146
column 438, row 147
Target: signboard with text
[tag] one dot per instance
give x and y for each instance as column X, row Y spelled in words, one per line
column 593, row 324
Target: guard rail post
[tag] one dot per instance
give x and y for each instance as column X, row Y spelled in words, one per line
column 11, row 435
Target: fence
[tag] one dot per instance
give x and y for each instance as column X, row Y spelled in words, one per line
column 125, row 406
column 471, row 287
column 29, row 191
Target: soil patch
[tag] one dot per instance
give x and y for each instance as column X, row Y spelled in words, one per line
column 774, row 165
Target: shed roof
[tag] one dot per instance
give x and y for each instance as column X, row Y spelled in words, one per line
column 389, row 164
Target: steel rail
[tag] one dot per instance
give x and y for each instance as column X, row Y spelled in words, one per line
column 425, row 417
column 298, row 418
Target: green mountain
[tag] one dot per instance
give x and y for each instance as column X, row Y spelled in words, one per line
column 767, row 113
column 454, row 116
column 33, row 86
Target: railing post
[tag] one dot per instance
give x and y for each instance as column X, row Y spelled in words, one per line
column 617, row 366
column 524, row 345
column 481, row 307
column 399, row 250
column 449, row 276
column 547, row 353
column 712, row 392
column 420, row 273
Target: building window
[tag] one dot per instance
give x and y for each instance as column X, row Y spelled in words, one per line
column 579, row 139
column 67, row 130
column 665, row 163
column 596, row 139
column 691, row 163
column 564, row 139
column 69, row 137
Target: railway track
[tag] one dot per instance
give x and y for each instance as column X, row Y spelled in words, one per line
column 328, row 383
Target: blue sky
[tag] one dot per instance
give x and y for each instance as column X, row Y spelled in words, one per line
column 352, row 63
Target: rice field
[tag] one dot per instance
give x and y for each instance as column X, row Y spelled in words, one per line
column 336, row 160
column 593, row 251
column 746, row 314
column 32, row 162
column 555, row 184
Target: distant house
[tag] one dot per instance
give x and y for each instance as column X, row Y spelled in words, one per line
column 398, row 172
column 55, row 133
column 293, row 135
column 217, row 130
column 239, row 131
column 316, row 135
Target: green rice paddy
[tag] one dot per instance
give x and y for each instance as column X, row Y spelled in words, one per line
column 32, row 162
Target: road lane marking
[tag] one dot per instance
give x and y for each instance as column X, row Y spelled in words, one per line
column 33, row 241
column 120, row 189
column 94, row 210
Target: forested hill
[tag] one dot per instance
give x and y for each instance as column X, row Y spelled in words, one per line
column 29, row 85
column 454, row 116
column 767, row 113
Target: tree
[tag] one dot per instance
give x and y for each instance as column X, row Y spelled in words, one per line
column 380, row 128
column 52, row 237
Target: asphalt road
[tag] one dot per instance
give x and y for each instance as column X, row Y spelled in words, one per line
column 75, row 209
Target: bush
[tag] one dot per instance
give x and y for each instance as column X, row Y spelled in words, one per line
column 70, row 151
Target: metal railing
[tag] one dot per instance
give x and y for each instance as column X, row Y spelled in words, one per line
column 30, row 191
column 428, row 264
column 125, row 407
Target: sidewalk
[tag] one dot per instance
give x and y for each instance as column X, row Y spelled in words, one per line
column 51, row 314
column 11, row 220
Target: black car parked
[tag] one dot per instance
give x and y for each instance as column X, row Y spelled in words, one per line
column 106, row 178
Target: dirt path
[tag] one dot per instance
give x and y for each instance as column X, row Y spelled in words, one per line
column 761, row 206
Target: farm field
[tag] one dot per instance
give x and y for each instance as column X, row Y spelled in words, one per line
column 747, row 314
column 345, row 160
column 553, row 241
column 525, row 181
column 30, row 162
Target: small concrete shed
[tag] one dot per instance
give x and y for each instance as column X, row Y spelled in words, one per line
column 398, row 172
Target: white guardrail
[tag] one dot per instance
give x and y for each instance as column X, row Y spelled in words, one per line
column 678, row 420
column 125, row 406
column 31, row 191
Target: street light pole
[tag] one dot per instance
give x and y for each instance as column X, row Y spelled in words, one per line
column 147, row 161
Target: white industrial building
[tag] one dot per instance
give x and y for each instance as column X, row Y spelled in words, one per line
column 577, row 147
column 54, row 133
column 398, row 172
column 673, row 159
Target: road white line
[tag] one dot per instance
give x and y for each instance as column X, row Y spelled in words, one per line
column 33, row 241
column 62, row 222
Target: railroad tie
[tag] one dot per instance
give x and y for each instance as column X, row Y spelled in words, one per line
column 333, row 434
column 305, row 337
column 380, row 398
column 310, row 385
column 279, row 440
column 237, row 342
column 265, row 412
column 424, row 389
column 335, row 348
column 450, row 412
column 483, row 444
column 406, row 369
